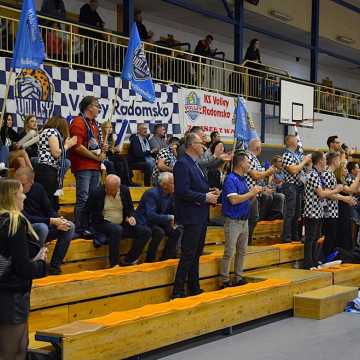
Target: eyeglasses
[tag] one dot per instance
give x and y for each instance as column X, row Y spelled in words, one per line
column 197, row 143
column 96, row 105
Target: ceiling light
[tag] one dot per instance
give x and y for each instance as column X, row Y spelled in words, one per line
column 345, row 39
column 280, row 15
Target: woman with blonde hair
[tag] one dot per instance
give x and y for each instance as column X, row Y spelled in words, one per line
column 31, row 125
column 53, row 144
column 21, row 259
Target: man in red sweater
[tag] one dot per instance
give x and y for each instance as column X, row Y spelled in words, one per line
column 86, row 156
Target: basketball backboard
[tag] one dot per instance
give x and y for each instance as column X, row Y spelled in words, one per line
column 296, row 103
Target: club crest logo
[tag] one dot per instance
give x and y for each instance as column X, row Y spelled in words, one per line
column 141, row 70
column 34, row 94
column 192, row 106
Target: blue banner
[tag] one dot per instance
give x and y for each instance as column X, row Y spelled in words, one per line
column 136, row 69
column 121, row 135
column 244, row 133
column 29, row 50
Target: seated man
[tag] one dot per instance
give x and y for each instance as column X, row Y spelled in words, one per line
column 45, row 221
column 111, row 212
column 140, row 154
column 158, row 140
column 156, row 210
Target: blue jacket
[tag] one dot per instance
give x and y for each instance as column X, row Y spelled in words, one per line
column 136, row 154
column 155, row 207
column 190, row 192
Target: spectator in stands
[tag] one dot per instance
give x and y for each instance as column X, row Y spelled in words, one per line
column 9, row 137
column 313, row 209
column 4, row 157
column 115, row 162
column 140, row 153
column 268, row 201
column 236, row 206
column 21, row 260
column 145, row 35
column 53, row 145
column 206, row 161
column 56, row 47
column 276, row 181
column 54, row 8
column 30, row 124
column 111, row 213
column 46, row 222
column 86, row 156
column 253, row 53
column 166, row 159
column 158, row 140
column 293, row 188
column 203, row 47
column 334, row 144
column 156, row 211
column 192, row 199
column 91, row 18
column 216, row 176
column 352, row 177
column 331, row 208
column 214, row 137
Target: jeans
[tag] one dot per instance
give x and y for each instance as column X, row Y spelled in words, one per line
column 158, row 233
column 330, row 232
column 47, row 233
column 293, row 199
column 86, row 180
column 312, row 234
column 236, row 239
column 192, row 246
column 4, row 154
column 114, row 233
column 147, row 167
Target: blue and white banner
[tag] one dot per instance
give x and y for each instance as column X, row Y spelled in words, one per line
column 136, row 69
column 54, row 90
column 29, row 52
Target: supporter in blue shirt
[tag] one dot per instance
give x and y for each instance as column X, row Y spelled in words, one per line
column 236, row 205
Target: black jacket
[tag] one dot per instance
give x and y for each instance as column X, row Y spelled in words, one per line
column 96, row 201
column 21, row 248
column 136, row 154
column 10, row 134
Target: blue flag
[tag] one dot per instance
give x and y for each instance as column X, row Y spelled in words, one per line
column 136, row 69
column 29, row 50
column 244, row 128
column 121, row 135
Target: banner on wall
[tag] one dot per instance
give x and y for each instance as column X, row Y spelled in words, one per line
column 211, row 111
column 58, row 91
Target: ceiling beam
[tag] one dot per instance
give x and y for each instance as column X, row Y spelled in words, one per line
column 347, row 5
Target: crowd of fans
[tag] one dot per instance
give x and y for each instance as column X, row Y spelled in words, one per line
column 316, row 194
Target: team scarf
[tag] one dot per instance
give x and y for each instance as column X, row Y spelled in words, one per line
column 62, row 165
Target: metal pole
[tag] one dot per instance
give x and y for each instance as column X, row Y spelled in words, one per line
column 128, row 16
column 239, row 31
column 315, row 19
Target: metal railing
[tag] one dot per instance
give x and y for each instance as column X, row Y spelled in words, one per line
column 82, row 47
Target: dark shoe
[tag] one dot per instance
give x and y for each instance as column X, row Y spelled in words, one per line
column 195, row 292
column 178, row 295
column 225, row 285
column 126, row 262
column 239, row 282
column 54, row 270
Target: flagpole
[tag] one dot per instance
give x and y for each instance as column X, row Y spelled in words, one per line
column 114, row 101
column 6, row 96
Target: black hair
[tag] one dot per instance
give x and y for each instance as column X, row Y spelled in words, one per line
column 331, row 139
column 195, row 129
column 238, row 157
column 174, row 140
column 214, row 145
column 351, row 165
column 210, row 37
column 330, row 156
column 85, row 102
column 316, row 156
column 213, row 135
column 252, row 43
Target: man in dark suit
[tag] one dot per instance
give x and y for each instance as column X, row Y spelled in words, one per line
column 140, row 154
column 192, row 199
column 111, row 213
column 156, row 210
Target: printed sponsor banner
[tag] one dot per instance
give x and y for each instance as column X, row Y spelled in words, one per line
column 211, row 111
column 55, row 90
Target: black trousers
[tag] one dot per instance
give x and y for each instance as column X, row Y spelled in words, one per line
column 114, row 233
column 293, row 199
column 312, row 234
column 158, row 233
column 330, row 232
column 192, row 246
column 46, row 175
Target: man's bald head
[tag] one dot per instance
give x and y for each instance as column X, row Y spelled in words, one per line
column 255, row 146
column 112, row 185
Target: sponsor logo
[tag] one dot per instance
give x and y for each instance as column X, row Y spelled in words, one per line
column 34, row 94
column 192, row 106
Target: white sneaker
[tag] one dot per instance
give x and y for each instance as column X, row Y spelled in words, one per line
column 3, row 166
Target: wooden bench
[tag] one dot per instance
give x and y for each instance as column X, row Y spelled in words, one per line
column 322, row 303
column 345, row 274
column 123, row 334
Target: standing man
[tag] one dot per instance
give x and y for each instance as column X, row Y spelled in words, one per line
column 86, row 156
column 192, row 199
column 236, row 205
column 293, row 188
column 256, row 176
